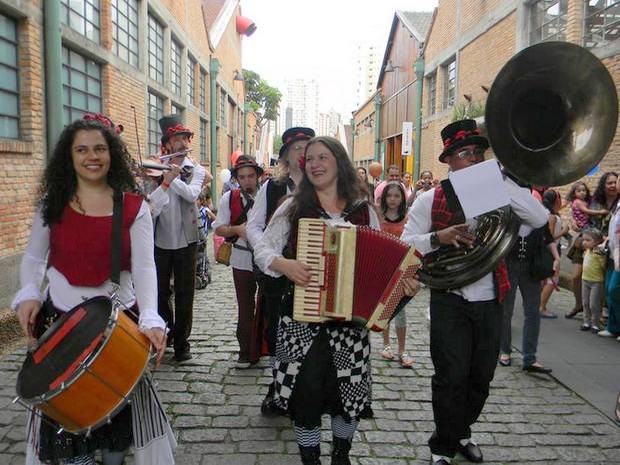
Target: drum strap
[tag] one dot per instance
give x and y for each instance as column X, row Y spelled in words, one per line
column 117, row 227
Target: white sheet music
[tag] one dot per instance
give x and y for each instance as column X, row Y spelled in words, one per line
column 480, row 188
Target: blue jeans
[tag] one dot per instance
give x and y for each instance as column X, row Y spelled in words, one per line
column 519, row 275
column 613, row 301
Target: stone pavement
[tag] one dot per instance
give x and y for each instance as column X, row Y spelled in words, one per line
column 215, row 413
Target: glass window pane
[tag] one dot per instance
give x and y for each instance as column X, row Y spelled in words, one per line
column 94, row 104
column 8, row 78
column 77, row 61
column 78, row 81
column 9, row 127
column 78, row 99
column 9, row 103
column 8, row 28
column 8, row 53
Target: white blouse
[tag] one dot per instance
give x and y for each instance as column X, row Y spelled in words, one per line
column 140, row 283
column 275, row 237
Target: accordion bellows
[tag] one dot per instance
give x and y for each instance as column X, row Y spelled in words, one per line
column 357, row 274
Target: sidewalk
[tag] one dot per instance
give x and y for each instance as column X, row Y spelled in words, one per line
column 215, row 410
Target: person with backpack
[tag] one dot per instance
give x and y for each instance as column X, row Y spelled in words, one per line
column 231, row 223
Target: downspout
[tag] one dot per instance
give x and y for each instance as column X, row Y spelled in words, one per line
column 419, row 73
column 214, row 67
column 246, row 107
column 378, row 127
column 53, row 72
column 352, row 123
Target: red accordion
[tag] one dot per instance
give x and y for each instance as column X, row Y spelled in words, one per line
column 357, row 274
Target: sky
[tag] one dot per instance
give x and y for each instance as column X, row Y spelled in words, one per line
column 318, row 39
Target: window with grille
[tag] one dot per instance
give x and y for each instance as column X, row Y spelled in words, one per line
column 156, row 50
column 177, row 110
column 125, row 30
column 191, row 79
column 548, row 20
column 81, row 16
column 155, row 113
column 203, row 139
column 223, row 105
column 449, row 72
column 9, row 82
column 432, row 93
column 175, row 67
column 601, row 22
column 81, row 85
column 203, row 91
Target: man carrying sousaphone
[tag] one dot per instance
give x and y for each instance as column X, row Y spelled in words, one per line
column 86, row 179
column 465, row 320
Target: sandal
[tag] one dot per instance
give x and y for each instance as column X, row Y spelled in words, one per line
column 573, row 312
column 387, row 353
column 505, row 360
column 405, row 360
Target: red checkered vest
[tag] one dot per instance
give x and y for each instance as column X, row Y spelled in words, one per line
column 443, row 217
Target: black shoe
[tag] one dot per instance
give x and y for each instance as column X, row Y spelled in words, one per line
column 573, row 313
column 537, row 369
column 340, row 451
column 310, row 455
column 470, row 451
column 268, row 407
column 439, row 462
column 182, row 356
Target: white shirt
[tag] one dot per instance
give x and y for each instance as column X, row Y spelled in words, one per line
column 275, row 238
column 167, row 208
column 418, row 231
column 257, row 218
column 140, row 283
column 239, row 259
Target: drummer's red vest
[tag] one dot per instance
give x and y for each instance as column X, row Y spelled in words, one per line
column 443, row 217
column 80, row 245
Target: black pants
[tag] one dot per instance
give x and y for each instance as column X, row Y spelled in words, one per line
column 271, row 291
column 182, row 264
column 245, row 287
column 464, row 348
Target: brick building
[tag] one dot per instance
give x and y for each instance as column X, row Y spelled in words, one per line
column 112, row 56
column 470, row 40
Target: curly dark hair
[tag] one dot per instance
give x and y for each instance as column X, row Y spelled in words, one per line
column 349, row 186
column 60, row 181
column 599, row 194
column 402, row 207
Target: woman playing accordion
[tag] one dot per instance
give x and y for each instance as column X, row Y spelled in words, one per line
column 320, row 367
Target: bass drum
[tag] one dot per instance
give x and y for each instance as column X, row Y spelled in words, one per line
column 85, row 366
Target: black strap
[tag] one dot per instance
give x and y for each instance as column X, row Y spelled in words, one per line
column 117, row 227
column 452, row 201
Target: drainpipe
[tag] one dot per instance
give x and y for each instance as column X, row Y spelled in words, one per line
column 214, row 68
column 246, row 108
column 53, row 72
column 378, row 127
column 419, row 73
column 352, row 123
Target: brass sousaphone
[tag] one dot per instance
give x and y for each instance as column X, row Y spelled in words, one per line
column 550, row 117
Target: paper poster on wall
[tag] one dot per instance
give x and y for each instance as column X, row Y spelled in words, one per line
column 407, row 145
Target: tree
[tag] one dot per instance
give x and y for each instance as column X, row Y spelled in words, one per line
column 262, row 98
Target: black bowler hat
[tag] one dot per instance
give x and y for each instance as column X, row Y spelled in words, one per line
column 245, row 161
column 459, row 134
column 171, row 125
column 294, row 134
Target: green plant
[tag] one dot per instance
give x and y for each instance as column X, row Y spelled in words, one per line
column 467, row 110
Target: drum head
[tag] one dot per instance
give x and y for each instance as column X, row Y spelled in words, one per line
column 64, row 347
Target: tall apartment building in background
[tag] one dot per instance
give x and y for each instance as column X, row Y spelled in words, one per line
column 367, row 63
column 300, row 104
column 328, row 123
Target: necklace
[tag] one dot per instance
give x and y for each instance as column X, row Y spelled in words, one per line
column 79, row 204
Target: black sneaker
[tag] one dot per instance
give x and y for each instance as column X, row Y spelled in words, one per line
column 183, row 356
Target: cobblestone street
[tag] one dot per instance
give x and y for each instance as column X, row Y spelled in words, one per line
column 215, row 408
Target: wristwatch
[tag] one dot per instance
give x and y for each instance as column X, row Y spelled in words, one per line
column 435, row 240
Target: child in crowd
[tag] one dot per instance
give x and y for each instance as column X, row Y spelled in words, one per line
column 205, row 218
column 552, row 201
column 593, row 278
column 579, row 197
column 393, row 218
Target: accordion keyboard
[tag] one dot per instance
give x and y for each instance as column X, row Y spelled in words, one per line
column 310, row 250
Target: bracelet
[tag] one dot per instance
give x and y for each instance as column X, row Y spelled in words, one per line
column 166, row 184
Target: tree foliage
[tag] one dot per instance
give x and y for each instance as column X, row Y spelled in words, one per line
column 264, row 99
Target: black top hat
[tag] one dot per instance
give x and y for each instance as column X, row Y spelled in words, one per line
column 294, row 134
column 171, row 125
column 245, row 161
column 459, row 134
